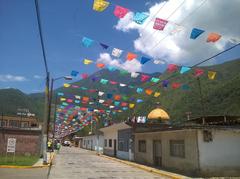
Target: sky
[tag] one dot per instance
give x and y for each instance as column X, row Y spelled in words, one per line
column 65, row 22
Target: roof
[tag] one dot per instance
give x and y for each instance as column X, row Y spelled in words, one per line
column 115, row 127
column 158, row 114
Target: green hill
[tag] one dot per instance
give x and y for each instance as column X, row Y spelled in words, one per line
column 219, row 97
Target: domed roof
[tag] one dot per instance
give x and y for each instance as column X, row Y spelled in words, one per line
column 158, row 114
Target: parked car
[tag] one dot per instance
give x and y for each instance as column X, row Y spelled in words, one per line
column 67, row 143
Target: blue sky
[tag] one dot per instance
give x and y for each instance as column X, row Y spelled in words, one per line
column 64, row 22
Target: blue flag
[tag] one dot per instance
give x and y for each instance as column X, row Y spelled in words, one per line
column 109, row 96
column 144, row 60
column 87, row 42
column 140, row 17
column 104, row 46
column 184, row 69
column 139, row 90
column 74, row 73
column 195, row 33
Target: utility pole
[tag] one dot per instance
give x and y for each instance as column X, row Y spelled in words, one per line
column 46, row 103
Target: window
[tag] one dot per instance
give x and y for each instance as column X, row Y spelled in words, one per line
column 110, row 143
column 24, row 124
column 3, row 123
column 105, row 142
column 13, row 123
column 141, row 146
column 177, row 148
column 84, row 142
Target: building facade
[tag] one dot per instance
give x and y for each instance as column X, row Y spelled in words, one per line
column 93, row 142
column 18, row 122
column 212, row 151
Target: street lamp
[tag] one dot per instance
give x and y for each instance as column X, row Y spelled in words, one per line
column 50, row 102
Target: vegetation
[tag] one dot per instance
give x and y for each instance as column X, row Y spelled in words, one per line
column 19, row 160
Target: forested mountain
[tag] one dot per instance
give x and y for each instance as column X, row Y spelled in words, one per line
column 220, row 96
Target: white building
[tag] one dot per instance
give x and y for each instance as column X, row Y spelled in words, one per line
column 93, row 142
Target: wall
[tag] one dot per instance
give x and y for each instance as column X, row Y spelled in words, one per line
column 125, row 137
column 187, row 165
column 93, row 143
column 221, row 156
column 110, row 135
column 28, row 142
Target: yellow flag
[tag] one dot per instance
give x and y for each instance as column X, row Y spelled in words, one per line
column 62, row 99
column 100, row 5
column 87, row 62
column 66, row 85
column 211, row 75
column 131, row 105
column 156, row 94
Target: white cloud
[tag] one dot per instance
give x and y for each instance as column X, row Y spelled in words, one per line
column 131, row 66
column 179, row 48
column 37, row 77
column 12, row 78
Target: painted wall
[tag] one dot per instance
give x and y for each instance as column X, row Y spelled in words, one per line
column 188, row 164
column 221, row 156
column 112, row 134
column 91, row 143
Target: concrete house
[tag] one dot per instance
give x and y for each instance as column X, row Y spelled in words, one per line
column 207, row 146
column 93, row 142
column 118, row 141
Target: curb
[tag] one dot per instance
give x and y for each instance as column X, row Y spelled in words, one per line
column 52, row 156
column 146, row 168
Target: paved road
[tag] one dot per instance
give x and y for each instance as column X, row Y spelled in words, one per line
column 36, row 173
column 75, row 163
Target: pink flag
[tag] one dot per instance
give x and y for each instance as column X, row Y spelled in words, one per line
column 159, row 24
column 144, row 78
column 198, row 72
column 176, row 85
column 113, row 82
column 172, row 68
column 120, row 12
column 84, row 76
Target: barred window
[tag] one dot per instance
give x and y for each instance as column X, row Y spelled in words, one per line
column 110, row 143
column 142, row 146
column 177, row 148
column 105, row 142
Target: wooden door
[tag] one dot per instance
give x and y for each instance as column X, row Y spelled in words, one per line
column 157, row 153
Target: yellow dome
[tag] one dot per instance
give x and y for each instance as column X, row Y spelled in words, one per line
column 158, row 114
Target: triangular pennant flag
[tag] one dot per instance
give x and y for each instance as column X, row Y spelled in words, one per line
column 109, row 96
column 111, row 68
column 148, row 91
column 195, row 33
column 100, row 93
column 198, row 72
column 158, row 61
column 124, row 104
column 176, row 28
column 131, row 86
column 85, row 99
column 156, row 94
column 77, row 101
column 165, row 83
column 101, row 101
column 74, row 73
column 117, row 97
column 184, row 69
column 125, row 108
column 131, row 105
column 139, row 100
column 66, row 85
column 123, row 72
column 213, row 37
column 60, row 94
column 75, row 86
column 104, row 46
column 120, row 12
column 134, row 75
column 84, row 76
column 131, row 56
column 111, row 107
column 83, row 88
column 122, row 85
column 139, row 90
column 87, row 62
column 100, row 65
column 211, row 75
column 172, row 68
column 160, row 24
column 113, row 82
column 104, row 81
column 62, row 99
column 77, row 97
column 144, row 60
column 116, row 52
column 155, row 80
column 87, row 42
column 116, row 103
column 125, row 98
column 176, row 85
column 144, row 78
column 100, row 5
column 140, row 17
column 69, row 100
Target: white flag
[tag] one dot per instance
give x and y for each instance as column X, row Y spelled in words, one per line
column 116, row 52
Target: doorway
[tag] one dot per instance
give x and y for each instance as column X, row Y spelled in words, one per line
column 157, row 153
